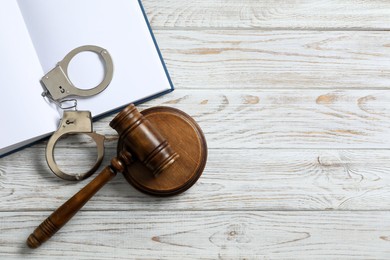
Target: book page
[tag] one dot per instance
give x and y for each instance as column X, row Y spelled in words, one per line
column 57, row 27
column 24, row 113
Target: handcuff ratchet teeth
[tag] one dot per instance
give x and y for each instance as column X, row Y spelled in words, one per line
column 58, row 87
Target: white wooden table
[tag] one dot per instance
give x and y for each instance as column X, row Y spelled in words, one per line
column 293, row 97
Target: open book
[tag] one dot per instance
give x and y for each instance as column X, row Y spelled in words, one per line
column 35, row 35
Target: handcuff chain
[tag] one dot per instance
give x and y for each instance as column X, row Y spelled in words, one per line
column 60, row 103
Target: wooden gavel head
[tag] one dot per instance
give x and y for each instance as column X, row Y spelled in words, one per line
column 143, row 140
column 162, row 140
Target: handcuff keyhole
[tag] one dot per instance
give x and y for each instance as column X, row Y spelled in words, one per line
column 62, row 90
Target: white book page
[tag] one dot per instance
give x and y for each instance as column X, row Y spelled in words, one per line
column 57, row 27
column 24, row 113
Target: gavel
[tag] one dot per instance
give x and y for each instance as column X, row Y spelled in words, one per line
column 143, row 147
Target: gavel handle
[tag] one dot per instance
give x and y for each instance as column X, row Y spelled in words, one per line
column 65, row 212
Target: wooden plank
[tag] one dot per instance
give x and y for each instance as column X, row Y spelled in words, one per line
column 301, row 14
column 254, row 59
column 288, row 119
column 234, row 179
column 206, row 235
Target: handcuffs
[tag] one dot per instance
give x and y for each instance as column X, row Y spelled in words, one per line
column 57, row 87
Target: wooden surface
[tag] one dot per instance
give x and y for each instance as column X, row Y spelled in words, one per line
column 294, row 101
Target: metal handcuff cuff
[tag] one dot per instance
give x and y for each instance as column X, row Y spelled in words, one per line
column 57, row 88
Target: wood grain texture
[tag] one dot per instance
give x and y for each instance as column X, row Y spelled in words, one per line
column 254, row 59
column 234, row 179
column 248, row 14
column 205, row 235
column 288, row 119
